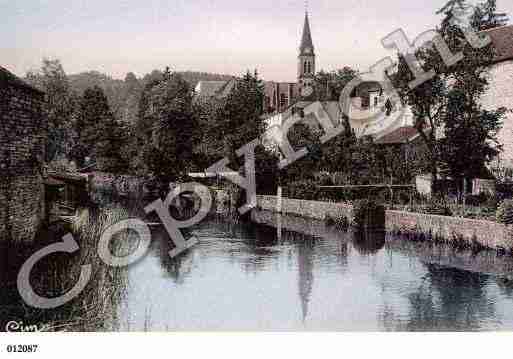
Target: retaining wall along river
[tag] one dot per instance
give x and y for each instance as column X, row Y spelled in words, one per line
column 473, row 232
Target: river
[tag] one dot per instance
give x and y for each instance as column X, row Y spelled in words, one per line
column 292, row 274
column 282, row 273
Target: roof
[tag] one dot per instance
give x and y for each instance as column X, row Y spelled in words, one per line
column 306, row 40
column 215, row 88
column 67, row 176
column 8, row 78
column 209, row 88
column 502, row 39
column 401, row 135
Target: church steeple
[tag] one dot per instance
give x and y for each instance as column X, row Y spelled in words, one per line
column 306, row 47
column 306, row 61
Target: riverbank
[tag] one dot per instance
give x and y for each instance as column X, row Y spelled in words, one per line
column 459, row 231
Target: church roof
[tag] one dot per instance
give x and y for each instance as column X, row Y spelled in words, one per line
column 502, row 38
column 306, row 40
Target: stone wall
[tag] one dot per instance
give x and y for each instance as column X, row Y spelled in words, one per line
column 22, row 146
column 309, row 209
column 487, row 234
column 500, row 94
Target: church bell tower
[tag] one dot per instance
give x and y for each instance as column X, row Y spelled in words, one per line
column 306, row 62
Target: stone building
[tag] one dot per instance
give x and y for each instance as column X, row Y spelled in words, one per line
column 23, row 132
column 500, row 92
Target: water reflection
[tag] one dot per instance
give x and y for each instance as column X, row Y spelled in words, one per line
column 305, row 273
column 369, row 242
column 450, row 299
column 306, row 276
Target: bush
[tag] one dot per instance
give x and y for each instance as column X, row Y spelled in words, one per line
column 369, row 214
column 307, row 190
column 339, row 222
column 504, row 213
column 438, row 207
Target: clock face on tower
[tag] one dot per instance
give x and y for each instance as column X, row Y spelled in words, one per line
column 308, row 50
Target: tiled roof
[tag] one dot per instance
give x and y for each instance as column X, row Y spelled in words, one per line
column 219, row 89
column 502, row 38
column 401, row 135
column 7, row 78
column 210, row 88
column 225, row 90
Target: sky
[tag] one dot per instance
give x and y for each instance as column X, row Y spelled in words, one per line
column 222, row 36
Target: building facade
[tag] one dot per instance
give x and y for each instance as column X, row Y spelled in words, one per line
column 500, row 91
column 23, row 133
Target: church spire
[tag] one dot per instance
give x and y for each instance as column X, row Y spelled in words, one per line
column 306, row 60
column 306, row 40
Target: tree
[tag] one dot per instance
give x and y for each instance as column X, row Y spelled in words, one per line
column 168, row 127
column 470, row 132
column 427, row 103
column 239, row 117
column 112, row 136
column 446, row 108
column 59, row 106
column 131, row 97
column 304, row 135
column 329, row 85
column 486, row 17
column 93, row 114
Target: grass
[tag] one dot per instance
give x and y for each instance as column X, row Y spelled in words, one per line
column 58, row 273
column 480, row 212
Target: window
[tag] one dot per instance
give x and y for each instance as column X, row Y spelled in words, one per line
column 375, row 102
column 284, row 101
column 305, row 66
column 365, row 102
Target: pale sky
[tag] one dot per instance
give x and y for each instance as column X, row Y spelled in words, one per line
column 222, row 36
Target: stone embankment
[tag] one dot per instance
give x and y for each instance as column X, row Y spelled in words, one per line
column 473, row 233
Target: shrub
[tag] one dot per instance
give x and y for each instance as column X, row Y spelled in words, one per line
column 438, row 207
column 504, row 213
column 340, row 221
column 368, row 213
column 302, row 190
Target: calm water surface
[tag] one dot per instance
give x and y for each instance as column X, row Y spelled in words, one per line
column 310, row 277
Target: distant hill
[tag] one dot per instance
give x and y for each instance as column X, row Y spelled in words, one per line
column 124, row 95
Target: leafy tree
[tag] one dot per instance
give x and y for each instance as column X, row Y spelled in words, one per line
column 168, row 127
column 93, row 112
column 239, row 117
column 427, row 103
column 112, row 136
column 486, row 17
column 329, row 85
column 59, row 106
column 470, row 140
column 446, row 108
column 304, row 135
column 131, row 97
